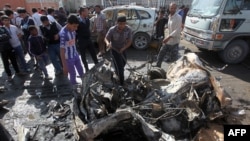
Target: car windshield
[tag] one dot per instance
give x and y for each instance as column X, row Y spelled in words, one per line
column 204, row 8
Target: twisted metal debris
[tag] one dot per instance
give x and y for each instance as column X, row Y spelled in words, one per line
column 150, row 109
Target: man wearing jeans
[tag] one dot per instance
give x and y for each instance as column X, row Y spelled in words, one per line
column 50, row 31
column 171, row 42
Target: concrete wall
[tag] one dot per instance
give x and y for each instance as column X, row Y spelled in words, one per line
column 14, row 3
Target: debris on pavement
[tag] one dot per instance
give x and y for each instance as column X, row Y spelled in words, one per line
column 181, row 102
column 174, row 107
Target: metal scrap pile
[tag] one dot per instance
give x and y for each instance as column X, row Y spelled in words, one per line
column 174, row 108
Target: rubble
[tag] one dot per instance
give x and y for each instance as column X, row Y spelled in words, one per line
column 181, row 102
column 149, row 106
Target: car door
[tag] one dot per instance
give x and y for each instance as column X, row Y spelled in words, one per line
column 132, row 18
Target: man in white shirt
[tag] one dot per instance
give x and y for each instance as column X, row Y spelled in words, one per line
column 36, row 17
column 15, row 42
column 50, row 15
column 171, row 42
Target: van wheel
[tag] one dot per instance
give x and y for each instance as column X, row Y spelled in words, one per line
column 235, row 52
column 141, row 41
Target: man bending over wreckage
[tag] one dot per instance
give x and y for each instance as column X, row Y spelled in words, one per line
column 118, row 39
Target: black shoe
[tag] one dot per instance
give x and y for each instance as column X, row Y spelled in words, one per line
column 21, row 73
column 58, row 73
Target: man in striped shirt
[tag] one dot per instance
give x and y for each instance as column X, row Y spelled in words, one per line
column 69, row 55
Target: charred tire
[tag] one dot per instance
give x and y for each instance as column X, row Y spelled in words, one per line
column 235, row 52
column 157, row 73
column 141, row 41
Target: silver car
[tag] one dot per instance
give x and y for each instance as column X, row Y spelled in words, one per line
column 140, row 19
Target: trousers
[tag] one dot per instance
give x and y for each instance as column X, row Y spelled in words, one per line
column 73, row 65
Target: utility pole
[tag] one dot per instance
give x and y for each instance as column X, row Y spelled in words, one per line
column 41, row 4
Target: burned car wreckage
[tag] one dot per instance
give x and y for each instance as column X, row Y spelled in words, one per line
column 153, row 106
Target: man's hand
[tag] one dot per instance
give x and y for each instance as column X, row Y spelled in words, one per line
column 108, row 46
column 56, row 37
column 65, row 70
column 166, row 40
column 122, row 50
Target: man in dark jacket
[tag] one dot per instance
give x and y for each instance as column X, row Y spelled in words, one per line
column 37, row 47
column 159, row 24
column 50, row 31
column 83, row 37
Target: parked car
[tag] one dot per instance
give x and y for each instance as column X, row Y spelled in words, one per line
column 140, row 19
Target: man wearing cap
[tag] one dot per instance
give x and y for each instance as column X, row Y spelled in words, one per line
column 118, row 39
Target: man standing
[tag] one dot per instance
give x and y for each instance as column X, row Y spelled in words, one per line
column 15, row 42
column 7, row 53
column 36, row 17
column 171, row 42
column 50, row 31
column 83, row 37
column 25, row 23
column 181, row 12
column 62, row 16
column 70, row 58
column 100, row 27
column 160, row 23
column 118, row 39
column 50, row 15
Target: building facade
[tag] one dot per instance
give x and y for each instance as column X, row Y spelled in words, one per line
column 29, row 4
column 73, row 5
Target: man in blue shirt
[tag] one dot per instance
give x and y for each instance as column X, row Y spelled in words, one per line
column 69, row 55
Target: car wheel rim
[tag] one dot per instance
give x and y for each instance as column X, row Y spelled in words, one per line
column 235, row 53
column 141, row 42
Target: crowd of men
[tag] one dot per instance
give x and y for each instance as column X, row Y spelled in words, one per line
column 65, row 39
column 18, row 24
column 55, row 35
